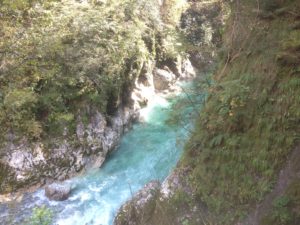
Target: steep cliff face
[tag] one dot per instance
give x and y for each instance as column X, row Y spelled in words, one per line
column 74, row 76
column 240, row 159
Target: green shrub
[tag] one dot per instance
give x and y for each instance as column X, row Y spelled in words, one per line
column 41, row 216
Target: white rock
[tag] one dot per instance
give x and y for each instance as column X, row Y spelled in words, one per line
column 163, row 79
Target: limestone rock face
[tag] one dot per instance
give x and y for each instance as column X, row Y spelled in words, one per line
column 57, row 192
column 32, row 164
column 140, row 203
column 187, row 70
column 163, row 79
column 147, row 193
column 146, row 201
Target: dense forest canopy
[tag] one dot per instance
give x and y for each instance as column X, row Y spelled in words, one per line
column 57, row 56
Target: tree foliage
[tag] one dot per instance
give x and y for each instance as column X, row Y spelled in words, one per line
column 57, row 57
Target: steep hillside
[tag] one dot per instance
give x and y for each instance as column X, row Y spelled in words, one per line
column 246, row 131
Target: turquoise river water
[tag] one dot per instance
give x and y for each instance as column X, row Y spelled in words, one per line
column 147, row 152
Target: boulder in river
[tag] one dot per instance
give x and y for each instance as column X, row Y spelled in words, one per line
column 57, row 192
column 163, row 79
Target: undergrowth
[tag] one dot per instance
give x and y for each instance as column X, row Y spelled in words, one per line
column 251, row 118
column 285, row 208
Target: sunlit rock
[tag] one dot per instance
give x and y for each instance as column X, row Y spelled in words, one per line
column 163, row 79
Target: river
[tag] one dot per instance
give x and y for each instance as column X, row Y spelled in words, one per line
column 149, row 151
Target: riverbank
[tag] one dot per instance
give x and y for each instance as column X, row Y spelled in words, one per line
column 149, row 151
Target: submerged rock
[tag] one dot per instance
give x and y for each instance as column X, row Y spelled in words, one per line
column 57, row 192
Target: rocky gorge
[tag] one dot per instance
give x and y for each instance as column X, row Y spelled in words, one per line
column 30, row 164
column 94, row 132
column 94, row 196
column 101, row 108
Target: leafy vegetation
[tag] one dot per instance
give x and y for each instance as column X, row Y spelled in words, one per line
column 57, row 57
column 249, row 123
